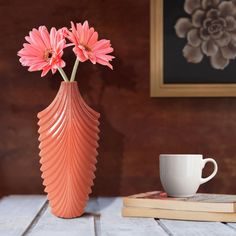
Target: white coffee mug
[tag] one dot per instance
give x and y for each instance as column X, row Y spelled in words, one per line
column 181, row 174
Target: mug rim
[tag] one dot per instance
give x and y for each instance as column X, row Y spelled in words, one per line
column 180, row 155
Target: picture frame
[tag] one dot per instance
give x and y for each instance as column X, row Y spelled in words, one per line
column 158, row 87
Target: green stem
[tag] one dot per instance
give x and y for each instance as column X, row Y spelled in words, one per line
column 72, row 78
column 63, row 74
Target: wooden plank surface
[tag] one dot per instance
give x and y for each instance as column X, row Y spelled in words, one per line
column 112, row 223
column 93, row 208
column 189, row 228
column 18, row 212
column 233, row 225
column 49, row 225
column 30, row 215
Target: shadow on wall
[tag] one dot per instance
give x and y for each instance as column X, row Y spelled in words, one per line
column 111, row 145
column 2, row 180
column 109, row 166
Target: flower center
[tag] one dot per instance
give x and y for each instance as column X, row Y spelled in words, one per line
column 48, row 54
column 87, row 48
column 214, row 28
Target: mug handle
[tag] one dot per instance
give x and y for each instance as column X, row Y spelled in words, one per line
column 204, row 180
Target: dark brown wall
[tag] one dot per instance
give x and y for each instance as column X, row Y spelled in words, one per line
column 135, row 128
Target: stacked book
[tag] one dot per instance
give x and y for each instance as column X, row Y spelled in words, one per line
column 200, row 207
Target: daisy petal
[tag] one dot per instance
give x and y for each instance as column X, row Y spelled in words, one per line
column 43, row 50
column 87, row 46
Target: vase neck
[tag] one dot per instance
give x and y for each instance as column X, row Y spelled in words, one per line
column 69, row 88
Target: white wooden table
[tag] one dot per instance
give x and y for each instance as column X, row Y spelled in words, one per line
column 30, row 215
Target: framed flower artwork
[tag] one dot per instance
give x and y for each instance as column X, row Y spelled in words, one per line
column 193, row 48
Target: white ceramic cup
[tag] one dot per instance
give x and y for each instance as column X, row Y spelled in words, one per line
column 181, row 174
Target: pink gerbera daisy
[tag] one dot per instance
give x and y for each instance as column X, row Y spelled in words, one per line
column 87, row 46
column 43, row 50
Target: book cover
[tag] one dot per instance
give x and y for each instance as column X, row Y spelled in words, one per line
column 178, row 215
column 199, row 202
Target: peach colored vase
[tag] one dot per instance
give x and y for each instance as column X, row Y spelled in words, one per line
column 68, row 135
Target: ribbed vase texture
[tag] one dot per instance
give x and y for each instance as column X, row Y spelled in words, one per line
column 68, row 135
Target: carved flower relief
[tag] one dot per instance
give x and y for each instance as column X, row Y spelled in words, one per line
column 210, row 31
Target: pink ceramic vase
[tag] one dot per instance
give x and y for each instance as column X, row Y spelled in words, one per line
column 68, row 130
